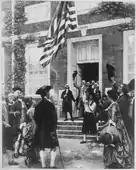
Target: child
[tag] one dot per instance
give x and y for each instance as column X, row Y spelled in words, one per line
column 19, row 144
column 28, row 135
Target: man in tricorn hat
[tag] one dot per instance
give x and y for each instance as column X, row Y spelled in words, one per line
column 45, row 117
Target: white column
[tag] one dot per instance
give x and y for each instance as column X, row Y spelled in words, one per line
column 69, row 65
column 27, row 78
column 125, row 58
column 100, row 63
column 1, row 26
column 49, row 74
column 2, row 69
column 12, row 56
column 2, row 57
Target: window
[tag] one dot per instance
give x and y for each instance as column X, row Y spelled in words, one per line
column 38, row 12
column 87, row 51
column 36, row 75
column 85, row 6
column 129, row 63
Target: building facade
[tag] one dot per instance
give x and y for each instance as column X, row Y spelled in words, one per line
column 96, row 41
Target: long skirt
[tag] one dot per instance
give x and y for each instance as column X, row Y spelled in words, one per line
column 89, row 123
column 8, row 135
column 14, row 121
column 81, row 108
column 28, row 148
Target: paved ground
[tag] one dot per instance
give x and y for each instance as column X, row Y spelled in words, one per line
column 75, row 156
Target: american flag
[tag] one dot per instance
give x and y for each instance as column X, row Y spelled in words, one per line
column 64, row 19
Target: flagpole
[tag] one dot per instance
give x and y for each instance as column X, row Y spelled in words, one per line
column 12, row 38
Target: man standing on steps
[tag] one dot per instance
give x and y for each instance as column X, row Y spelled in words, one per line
column 81, row 90
column 67, row 97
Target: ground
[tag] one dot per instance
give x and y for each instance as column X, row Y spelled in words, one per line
column 75, row 156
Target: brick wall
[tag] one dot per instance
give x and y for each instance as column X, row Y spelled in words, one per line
column 112, row 52
column 59, row 70
column 112, row 48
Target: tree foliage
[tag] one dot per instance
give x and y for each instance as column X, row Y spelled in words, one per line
column 115, row 9
column 18, row 48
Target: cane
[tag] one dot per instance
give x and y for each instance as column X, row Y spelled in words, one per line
column 60, row 154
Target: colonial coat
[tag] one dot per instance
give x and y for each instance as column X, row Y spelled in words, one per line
column 67, row 101
column 45, row 117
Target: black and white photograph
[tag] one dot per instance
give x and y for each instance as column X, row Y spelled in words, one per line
column 67, row 84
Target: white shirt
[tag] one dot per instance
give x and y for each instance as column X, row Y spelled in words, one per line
column 82, row 92
column 89, row 106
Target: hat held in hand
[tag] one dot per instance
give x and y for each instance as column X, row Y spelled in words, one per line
column 74, row 74
column 110, row 71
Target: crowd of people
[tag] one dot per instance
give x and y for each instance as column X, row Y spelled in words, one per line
column 31, row 126
column 27, row 130
column 113, row 113
column 15, row 118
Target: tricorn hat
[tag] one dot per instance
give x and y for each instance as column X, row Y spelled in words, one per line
column 17, row 88
column 43, row 90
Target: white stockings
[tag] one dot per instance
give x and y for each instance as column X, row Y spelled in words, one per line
column 44, row 155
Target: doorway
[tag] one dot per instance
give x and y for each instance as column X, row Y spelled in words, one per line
column 89, row 71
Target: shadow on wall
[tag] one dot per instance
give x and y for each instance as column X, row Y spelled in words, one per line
column 53, row 76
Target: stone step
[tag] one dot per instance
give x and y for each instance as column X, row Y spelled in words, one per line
column 69, row 132
column 72, row 130
column 70, row 123
column 89, row 137
column 68, row 127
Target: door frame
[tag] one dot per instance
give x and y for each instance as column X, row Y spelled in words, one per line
column 70, row 45
column 126, row 34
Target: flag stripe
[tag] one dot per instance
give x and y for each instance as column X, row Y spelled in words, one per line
column 51, row 52
column 64, row 18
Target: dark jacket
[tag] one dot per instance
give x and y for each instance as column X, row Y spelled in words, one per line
column 124, row 103
column 115, row 88
column 7, row 132
column 45, row 117
column 17, row 107
column 97, row 95
column 67, row 101
column 15, row 120
column 132, row 117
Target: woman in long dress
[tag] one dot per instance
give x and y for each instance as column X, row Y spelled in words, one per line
column 119, row 154
column 28, row 137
